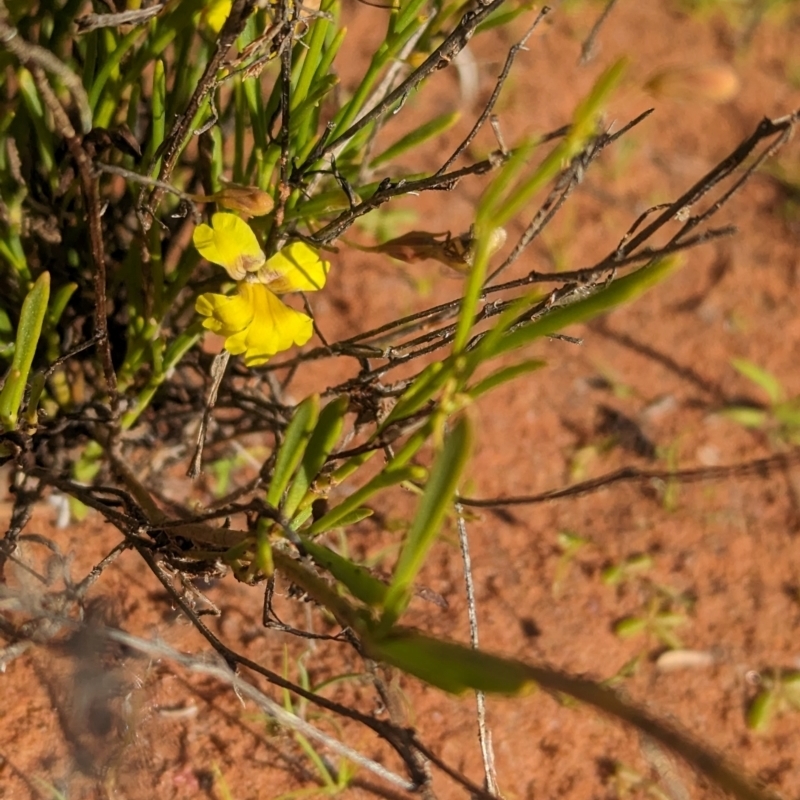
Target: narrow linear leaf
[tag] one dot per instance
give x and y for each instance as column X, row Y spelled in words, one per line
column 583, row 127
column 34, row 309
column 291, row 452
column 449, row 666
column 159, row 112
column 435, row 503
column 314, row 42
column 417, row 137
column 388, row 477
column 762, row 710
column 761, row 378
column 356, row 579
column 746, row 416
column 324, row 438
column 475, row 280
column 504, row 375
column 59, row 303
column 630, row 626
column 425, row 385
column 406, row 16
column 622, row 290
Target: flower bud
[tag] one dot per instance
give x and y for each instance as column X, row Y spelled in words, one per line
column 247, row 200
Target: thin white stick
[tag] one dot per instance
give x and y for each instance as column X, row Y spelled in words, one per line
column 484, row 734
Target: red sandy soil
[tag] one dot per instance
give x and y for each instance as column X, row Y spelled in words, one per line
column 727, row 551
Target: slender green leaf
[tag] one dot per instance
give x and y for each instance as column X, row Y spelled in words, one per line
column 35, row 109
column 498, row 209
column 293, row 447
column 59, row 302
column 424, row 386
column 492, row 200
column 630, row 626
column 417, row 137
column 504, row 375
column 34, row 308
column 158, row 109
column 313, row 44
column 746, row 416
column 110, row 64
column 788, row 414
column 436, row 501
column 324, row 438
column 407, row 16
column 449, row 666
column 761, row 378
column 383, row 480
column 622, row 290
column 762, row 710
column 354, row 577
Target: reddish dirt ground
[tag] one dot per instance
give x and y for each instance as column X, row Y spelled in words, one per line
column 725, row 553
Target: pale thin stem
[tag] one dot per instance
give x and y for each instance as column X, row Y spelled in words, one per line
column 484, row 734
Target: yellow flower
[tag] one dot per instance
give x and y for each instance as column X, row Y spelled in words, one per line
column 254, row 321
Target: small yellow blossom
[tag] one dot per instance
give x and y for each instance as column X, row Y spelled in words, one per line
column 254, row 321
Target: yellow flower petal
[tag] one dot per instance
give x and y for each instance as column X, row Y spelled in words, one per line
column 216, row 12
column 296, row 268
column 226, row 315
column 230, row 242
column 254, row 322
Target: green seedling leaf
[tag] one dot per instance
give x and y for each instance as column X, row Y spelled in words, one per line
column 788, row 413
column 570, row 542
column 790, row 685
column 294, row 444
column 668, row 619
column 449, row 666
column 635, row 565
column 356, row 579
column 324, row 438
column 436, row 501
column 630, row 626
column 762, row 710
column 746, row 416
column 760, row 377
column 416, row 138
column 34, row 308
